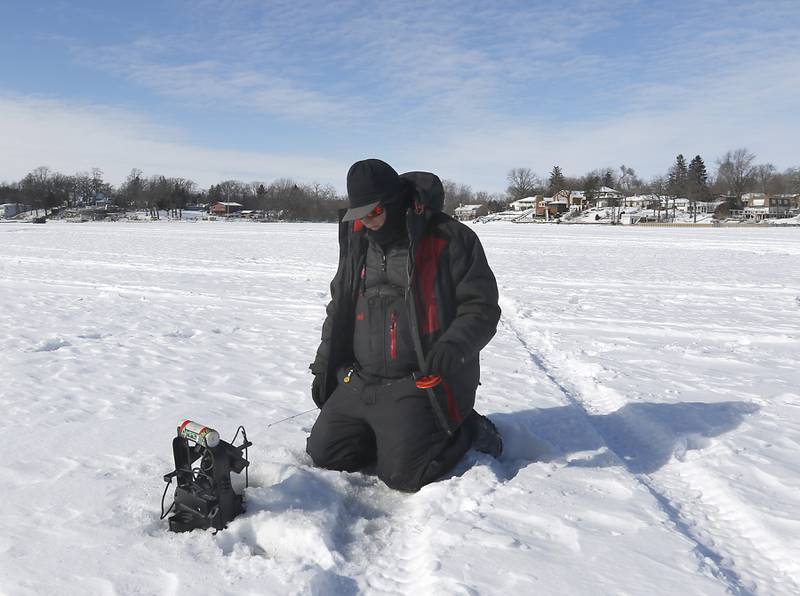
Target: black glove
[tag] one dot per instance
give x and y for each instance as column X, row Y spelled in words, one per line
column 444, row 359
column 317, row 389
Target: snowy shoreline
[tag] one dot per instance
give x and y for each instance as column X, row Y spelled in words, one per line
column 201, row 217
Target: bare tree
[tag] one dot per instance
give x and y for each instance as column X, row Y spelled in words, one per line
column 83, row 188
column 97, row 181
column 280, row 194
column 325, row 192
column 764, row 178
column 735, row 171
column 131, row 192
column 522, row 182
column 494, row 202
column 62, row 189
column 658, row 186
column 628, row 181
column 36, row 188
column 791, row 180
column 182, row 190
column 456, row 194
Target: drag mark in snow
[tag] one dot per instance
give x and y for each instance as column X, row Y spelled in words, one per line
column 350, row 532
column 706, row 553
column 389, row 550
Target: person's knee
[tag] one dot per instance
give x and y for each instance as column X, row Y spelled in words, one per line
column 315, row 450
column 405, row 479
column 320, row 448
column 348, row 453
column 409, row 472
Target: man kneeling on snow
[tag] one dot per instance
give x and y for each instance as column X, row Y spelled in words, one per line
column 412, row 304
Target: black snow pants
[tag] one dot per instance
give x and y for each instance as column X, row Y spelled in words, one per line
column 387, row 423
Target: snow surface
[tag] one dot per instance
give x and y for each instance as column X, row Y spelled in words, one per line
column 645, row 380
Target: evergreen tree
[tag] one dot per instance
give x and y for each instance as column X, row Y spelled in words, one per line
column 557, row 181
column 215, row 193
column 678, row 177
column 261, row 197
column 697, row 180
column 591, row 184
column 608, row 178
column 697, row 183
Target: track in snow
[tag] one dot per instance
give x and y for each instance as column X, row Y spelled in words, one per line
column 342, row 533
column 707, row 554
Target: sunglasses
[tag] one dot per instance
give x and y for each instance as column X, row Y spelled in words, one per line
column 377, row 212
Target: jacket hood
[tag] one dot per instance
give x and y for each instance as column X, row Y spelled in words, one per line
column 427, row 189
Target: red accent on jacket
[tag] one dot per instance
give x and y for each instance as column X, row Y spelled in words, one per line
column 427, row 257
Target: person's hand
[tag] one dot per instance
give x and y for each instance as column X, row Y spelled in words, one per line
column 317, row 390
column 444, row 359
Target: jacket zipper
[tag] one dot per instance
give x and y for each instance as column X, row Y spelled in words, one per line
column 393, row 337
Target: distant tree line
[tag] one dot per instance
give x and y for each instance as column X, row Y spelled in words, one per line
column 736, row 173
column 44, row 189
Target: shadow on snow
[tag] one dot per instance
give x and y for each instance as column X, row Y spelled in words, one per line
column 641, row 436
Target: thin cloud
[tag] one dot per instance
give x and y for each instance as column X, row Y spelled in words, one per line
column 72, row 137
column 211, row 81
column 341, row 63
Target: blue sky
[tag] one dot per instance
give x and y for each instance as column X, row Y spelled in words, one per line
column 255, row 90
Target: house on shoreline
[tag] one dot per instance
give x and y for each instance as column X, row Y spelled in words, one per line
column 759, row 205
column 9, row 210
column 223, row 208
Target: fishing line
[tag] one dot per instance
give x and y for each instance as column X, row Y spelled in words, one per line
column 291, row 417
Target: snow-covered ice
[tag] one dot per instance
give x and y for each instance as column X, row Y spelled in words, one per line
column 645, row 380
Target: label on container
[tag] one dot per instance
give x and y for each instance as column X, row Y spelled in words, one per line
column 202, row 435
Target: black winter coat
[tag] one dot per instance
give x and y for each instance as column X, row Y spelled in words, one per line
column 451, row 297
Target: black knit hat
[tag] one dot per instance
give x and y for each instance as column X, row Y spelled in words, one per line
column 370, row 182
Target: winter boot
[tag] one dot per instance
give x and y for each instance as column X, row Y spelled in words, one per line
column 484, row 434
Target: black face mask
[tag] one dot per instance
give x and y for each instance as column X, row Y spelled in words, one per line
column 394, row 228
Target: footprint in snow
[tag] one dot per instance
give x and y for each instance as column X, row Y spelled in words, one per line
column 51, row 345
column 181, row 333
column 92, row 335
